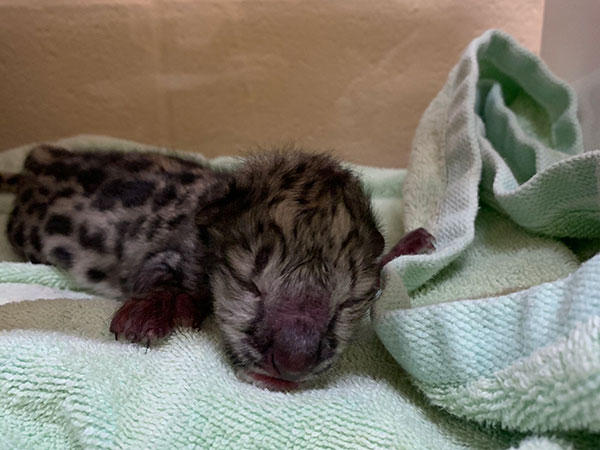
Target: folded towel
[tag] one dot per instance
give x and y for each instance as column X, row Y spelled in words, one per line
column 501, row 323
column 65, row 382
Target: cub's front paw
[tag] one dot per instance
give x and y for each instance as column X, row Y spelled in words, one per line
column 145, row 319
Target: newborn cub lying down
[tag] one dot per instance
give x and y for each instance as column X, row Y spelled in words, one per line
column 285, row 250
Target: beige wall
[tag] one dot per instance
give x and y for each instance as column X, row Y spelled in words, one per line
column 218, row 76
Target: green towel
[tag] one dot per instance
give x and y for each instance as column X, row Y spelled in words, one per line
column 501, row 324
column 65, row 382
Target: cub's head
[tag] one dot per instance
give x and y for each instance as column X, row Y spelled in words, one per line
column 296, row 265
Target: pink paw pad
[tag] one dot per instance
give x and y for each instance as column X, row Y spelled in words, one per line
column 413, row 243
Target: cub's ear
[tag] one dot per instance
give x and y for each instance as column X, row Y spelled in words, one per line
column 216, row 200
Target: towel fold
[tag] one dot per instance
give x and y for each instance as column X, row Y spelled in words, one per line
column 500, row 324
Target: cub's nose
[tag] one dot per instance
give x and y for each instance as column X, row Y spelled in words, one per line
column 297, row 325
column 295, row 352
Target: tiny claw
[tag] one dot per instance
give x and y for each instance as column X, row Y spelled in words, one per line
column 116, row 337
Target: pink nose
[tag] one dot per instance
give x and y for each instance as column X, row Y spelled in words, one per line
column 295, row 353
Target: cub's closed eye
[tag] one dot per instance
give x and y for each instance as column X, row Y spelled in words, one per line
column 351, row 303
column 252, row 287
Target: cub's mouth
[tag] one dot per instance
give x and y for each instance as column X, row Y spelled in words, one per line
column 273, row 383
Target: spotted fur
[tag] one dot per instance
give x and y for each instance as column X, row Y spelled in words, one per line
column 120, row 224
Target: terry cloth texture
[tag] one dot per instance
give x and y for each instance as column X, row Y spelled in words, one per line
column 65, row 382
column 501, row 324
